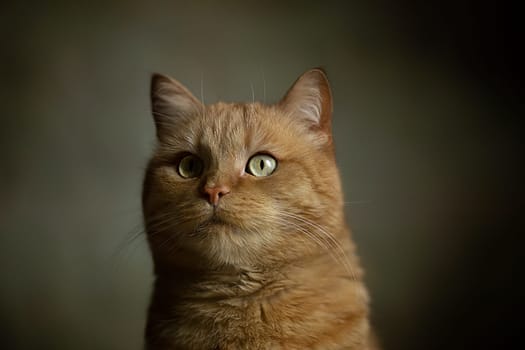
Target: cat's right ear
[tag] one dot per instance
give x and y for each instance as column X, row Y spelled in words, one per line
column 171, row 102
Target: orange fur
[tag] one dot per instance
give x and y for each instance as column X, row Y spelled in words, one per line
column 271, row 266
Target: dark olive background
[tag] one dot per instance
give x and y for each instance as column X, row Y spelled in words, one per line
column 428, row 115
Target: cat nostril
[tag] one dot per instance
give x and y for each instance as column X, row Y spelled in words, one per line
column 215, row 193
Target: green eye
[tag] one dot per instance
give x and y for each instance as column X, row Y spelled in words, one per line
column 190, row 166
column 261, row 165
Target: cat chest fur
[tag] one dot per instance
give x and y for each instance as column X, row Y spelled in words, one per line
column 289, row 314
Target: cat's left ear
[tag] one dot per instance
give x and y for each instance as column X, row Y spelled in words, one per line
column 310, row 99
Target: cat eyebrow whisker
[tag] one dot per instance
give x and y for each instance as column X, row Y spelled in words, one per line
column 202, row 92
column 264, row 85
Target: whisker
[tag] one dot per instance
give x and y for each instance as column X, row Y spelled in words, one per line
column 357, row 202
column 329, row 240
column 202, row 93
column 253, row 92
column 322, row 244
column 157, row 113
column 264, row 85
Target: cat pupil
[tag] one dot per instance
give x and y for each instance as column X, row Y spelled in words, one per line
column 261, row 164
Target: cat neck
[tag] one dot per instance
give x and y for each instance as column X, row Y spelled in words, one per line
column 246, row 283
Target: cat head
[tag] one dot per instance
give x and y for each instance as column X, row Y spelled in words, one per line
column 241, row 184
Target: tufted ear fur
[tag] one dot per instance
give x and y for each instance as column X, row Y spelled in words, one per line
column 170, row 102
column 310, row 99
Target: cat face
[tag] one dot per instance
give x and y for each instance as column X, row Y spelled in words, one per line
column 241, row 184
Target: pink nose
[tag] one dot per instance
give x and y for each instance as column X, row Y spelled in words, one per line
column 215, row 193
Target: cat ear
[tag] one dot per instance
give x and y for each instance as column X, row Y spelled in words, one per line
column 170, row 102
column 310, row 98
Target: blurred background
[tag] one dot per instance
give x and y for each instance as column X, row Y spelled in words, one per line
column 428, row 115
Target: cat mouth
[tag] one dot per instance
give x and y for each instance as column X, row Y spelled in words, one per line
column 215, row 221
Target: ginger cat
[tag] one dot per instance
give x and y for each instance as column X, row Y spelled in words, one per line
column 243, row 209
